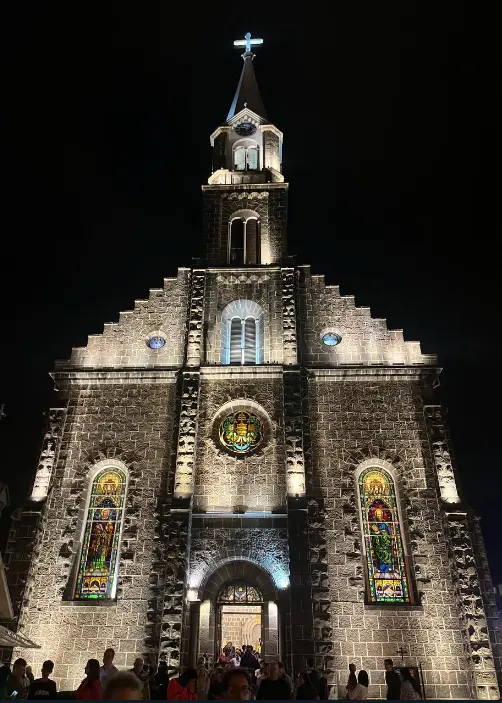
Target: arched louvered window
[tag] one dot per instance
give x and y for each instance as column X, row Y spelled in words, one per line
column 240, row 158
column 252, row 234
column 246, row 156
column 252, row 158
column 242, row 333
column 245, row 239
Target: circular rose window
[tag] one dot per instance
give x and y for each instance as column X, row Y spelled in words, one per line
column 241, row 432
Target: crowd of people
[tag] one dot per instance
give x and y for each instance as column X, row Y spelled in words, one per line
column 239, row 674
column 101, row 682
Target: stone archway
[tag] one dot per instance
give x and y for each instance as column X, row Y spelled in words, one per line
column 207, row 639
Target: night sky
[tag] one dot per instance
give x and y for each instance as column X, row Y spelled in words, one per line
column 389, row 131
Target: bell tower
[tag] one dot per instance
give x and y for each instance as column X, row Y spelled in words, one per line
column 245, row 200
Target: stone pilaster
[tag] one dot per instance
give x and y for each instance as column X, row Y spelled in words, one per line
column 27, row 523
column 173, row 611
column 48, row 453
column 187, row 432
column 487, row 591
column 196, row 319
column 442, row 456
column 293, row 433
column 289, row 316
column 309, row 621
column 472, row 611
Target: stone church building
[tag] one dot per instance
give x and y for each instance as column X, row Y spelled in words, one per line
column 248, row 457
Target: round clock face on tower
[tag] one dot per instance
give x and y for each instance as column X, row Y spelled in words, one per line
column 245, row 129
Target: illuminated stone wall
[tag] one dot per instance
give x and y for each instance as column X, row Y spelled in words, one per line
column 262, row 287
column 225, row 483
column 123, row 343
column 357, row 419
column 269, row 201
column 132, row 422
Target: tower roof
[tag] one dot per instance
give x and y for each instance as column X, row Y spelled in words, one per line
column 247, row 93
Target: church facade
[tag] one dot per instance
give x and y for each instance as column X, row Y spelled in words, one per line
column 248, row 438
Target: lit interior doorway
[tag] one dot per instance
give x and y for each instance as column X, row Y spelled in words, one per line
column 241, row 624
column 240, row 610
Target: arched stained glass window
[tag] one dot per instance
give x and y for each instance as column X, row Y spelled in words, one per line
column 383, row 543
column 98, row 560
column 240, row 593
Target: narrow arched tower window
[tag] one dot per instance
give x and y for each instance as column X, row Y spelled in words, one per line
column 97, row 572
column 237, row 242
column 245, row 239
column 242, row 333
column 386, row 572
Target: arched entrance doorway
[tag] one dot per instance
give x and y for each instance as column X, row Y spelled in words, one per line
column 239, row 598
column 239, row 617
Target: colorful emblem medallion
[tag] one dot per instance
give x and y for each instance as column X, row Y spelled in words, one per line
column 241, row 432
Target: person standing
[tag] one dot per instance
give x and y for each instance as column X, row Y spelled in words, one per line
column 274, row 688
column 160, row 682
column 44, row 688
column 305, row 689
column 203, row 680
column 249, row 661
column 14, row 685
column 124, row 686
column 408, row 686
column 237, row 685
column 287, row 678
column 108, row 669
column 183, row 688
column 393, row 681
column 360, row 693
column 90, row 688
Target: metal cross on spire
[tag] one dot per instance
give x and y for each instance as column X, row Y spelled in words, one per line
column 247, row 42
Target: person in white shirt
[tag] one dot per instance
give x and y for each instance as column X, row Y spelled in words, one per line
column 360, row 692
column 108, row 669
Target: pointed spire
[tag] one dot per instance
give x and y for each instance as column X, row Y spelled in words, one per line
column 247, row 93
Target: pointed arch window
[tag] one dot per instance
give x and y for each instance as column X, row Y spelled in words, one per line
column 245, row 236
column 97, row 573
column 242, row 333
column 382, row 535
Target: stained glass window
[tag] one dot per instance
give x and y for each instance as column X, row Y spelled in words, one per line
column 388, row 582
column 241, row 432
column 98, row 560
column 240, row 593
column 330, row 339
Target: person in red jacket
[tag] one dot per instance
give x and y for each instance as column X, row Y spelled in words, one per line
column 90, row 688
column 183, row 688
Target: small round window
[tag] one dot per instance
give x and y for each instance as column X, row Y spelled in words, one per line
column 156, row 342
column 331, row 339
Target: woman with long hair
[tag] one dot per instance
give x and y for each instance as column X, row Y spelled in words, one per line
column 305, row 689
column 408, row 686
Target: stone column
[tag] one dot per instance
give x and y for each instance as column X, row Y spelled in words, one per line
column 49, row 453
column 289, row 317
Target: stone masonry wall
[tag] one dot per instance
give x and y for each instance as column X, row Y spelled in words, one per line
column 255, row 482
column 382, row 419
column 366, row 340
column 260, row 287
column 268, row 201
column 124, row 343
column 131, row 422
